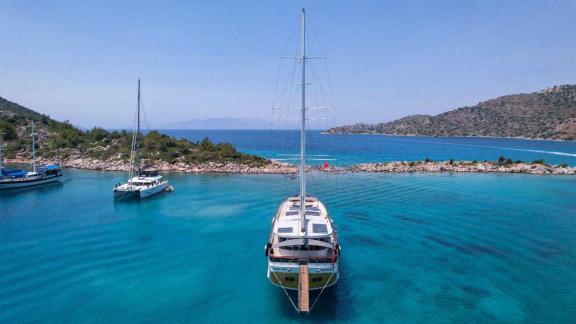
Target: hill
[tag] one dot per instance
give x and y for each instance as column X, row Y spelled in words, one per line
column 60, row 141
column 547, row 114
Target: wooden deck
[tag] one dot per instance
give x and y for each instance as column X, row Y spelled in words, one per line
column 303, row 290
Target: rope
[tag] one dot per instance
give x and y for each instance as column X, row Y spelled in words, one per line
column 321, row 291
column 286, row 292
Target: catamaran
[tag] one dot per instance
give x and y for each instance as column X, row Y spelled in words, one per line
column 141, row 183
column 12, row 179
column 302, row 249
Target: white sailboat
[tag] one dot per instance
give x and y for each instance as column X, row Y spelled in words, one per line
column 302, row 249
column 12, row 179
column 141, row 183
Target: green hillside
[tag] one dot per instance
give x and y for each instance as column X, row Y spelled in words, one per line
column 60, row 140
column 548, row 114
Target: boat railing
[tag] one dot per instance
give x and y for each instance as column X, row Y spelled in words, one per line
column 297, row 259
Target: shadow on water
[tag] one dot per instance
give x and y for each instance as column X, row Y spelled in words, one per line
column 41, row 188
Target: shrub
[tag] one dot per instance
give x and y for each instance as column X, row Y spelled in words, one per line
column 98, row 134
column 7, row 131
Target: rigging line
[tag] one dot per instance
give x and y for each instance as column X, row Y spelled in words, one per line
column 133, row 147
column 292, row 92
column 288, row 41
column 144, row 115
column 329, row 83
column 314, row 93
column 324, row 93
column 321, row 291
column 315, row 37
column 290, row 81
column 286, row 89
column 286, row 292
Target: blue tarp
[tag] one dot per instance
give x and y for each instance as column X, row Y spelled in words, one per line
column 14, row 173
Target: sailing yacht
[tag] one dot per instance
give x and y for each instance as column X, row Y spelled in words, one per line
column 11, row 179
column 302, row 249
column 141, row 183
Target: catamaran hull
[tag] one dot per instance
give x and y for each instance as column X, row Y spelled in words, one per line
column 28, row 183
column 142, row 193
column 145, row 193
column 118, row 194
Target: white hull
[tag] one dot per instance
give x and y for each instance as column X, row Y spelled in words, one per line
column 141, row 193
column 144, row 193
column 28, row 183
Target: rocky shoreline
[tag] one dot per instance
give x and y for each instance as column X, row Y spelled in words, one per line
column 464, row 167
column 271, row 167
column 274, row 167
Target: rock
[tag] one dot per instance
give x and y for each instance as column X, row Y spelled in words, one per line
column 275, row 167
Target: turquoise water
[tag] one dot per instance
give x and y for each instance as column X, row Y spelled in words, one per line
column 415, row 248
column 352, row 149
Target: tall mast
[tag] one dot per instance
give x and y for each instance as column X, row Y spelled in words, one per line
column 1, row 160
column 137, row 143
column 33, row 147
column 303, row 129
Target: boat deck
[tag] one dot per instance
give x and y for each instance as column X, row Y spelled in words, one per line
column 287, row 238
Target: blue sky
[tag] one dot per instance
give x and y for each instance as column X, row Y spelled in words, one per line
column 80, row 60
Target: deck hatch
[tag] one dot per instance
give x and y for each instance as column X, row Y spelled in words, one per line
column 285, row 230
column 319, row 228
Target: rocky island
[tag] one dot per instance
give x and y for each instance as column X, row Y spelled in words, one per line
column 547, row 114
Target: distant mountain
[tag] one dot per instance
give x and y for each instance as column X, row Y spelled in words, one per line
column 547, row 114
column 220, row 123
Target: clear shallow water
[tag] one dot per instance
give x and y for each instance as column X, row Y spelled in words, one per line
column 352, row 149
column 416, row 248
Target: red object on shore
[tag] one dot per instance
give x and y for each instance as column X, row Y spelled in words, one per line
column 325, row 164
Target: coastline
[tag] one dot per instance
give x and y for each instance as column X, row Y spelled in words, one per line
column 275, row 167
column 441, row 136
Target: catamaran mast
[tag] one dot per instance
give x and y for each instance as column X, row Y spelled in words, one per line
column 1, row 160
column 33, row 147
column 303, row 129
column 137, row 143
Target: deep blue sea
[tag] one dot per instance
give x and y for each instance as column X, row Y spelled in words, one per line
column 355, row 148
column 433, row 248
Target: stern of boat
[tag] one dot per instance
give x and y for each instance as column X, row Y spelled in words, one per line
column 320, row 275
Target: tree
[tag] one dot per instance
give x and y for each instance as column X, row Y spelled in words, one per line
column 98, row 133
column 206, row 144
column 7, row 131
